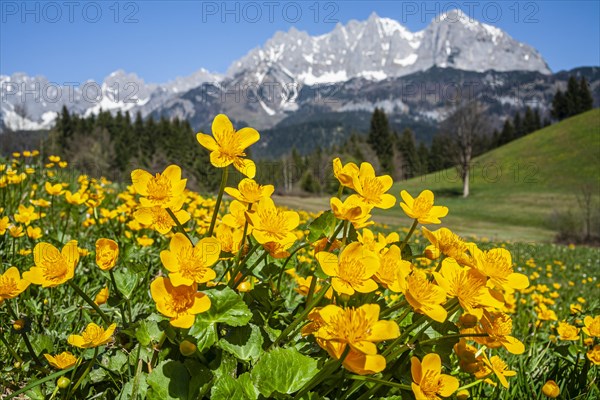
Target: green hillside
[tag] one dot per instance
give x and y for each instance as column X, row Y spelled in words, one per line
column 517, row 188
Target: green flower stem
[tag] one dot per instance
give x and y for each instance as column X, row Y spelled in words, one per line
column 333, row 236
column 303, row 245
column 85, row 373
column 23, row 334
column 248, row 271
column 224, row 177
column 340, row 191
column 31, row 350
column 409, row 234
column 302, row 316
column 62, row 237
column 393, row 308
column 181, row 228
column 161, row 341
column 87, row 299
column 241, row 249
column 327, row 370
column 40, row 381
column 10, row 349
column 311, row 289
column 346, row 230
column 241, row 264
column 469, row 385
column 439, row 266
column 379, row 381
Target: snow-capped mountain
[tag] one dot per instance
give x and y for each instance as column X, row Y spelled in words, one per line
column 263, row 87
column 379, row 48
column 32, row 102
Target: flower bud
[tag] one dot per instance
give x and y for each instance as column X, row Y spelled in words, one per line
column 63, row 382
column 463, row 394
column 187, row 348
column 551, row 389
column 19, row 324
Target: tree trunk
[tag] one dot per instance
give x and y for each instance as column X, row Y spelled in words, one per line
column 465, row 176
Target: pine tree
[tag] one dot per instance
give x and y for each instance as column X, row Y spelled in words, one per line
column 572, row 97
column 529, row 124
column 507, row 134
column 518, row 126
column 380, row 139
column 559, row 106
column 537, row 120
column 423, row 153
column 586, row 101
column 407, row 147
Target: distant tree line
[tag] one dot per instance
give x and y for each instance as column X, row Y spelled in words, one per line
column 463, row 135
column 114, row 145
column 575, row 100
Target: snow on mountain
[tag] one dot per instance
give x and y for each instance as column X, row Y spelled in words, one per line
column 379, row 48
column 32, row 102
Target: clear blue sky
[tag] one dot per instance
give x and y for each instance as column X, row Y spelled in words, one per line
column 159, row 40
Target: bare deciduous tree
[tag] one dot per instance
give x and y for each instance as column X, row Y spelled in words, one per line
column 465, row 123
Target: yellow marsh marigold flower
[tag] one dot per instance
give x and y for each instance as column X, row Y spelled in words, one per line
column 499, row 367
column 52, row 267
column 227, row 146
column 4, row 222
column 26, row 215
column 271, row 224
column 158, row 218
column 236, row 218
column 551, row 389
column 107, row 253
column 16, row 231
column 77, row 198
column 145, row 241
column 229, row 238
column 497, row 265
column 63, row 360
column 592, row 326
column 499, row 327
column 345, row 174
column 352, row 271
column 53, row 190
column 545, row 314
column 594, row 355
column 567, row 331
column 188, row 264
column 164, row 190
column 102, row 296
column 34, row 232
column 93, row 336
column 446, row 242
column 425, row 297
column 359, row 328
column 422, row 208
column 467, row 285
column 250, row 192
column 11, row 284
column 393, row 270
column 352, row 210
column 180, row 304
column 372, row 189
column 428, row 380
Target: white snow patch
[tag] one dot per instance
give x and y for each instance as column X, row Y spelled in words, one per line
column 328, row 77
column 406, row 61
